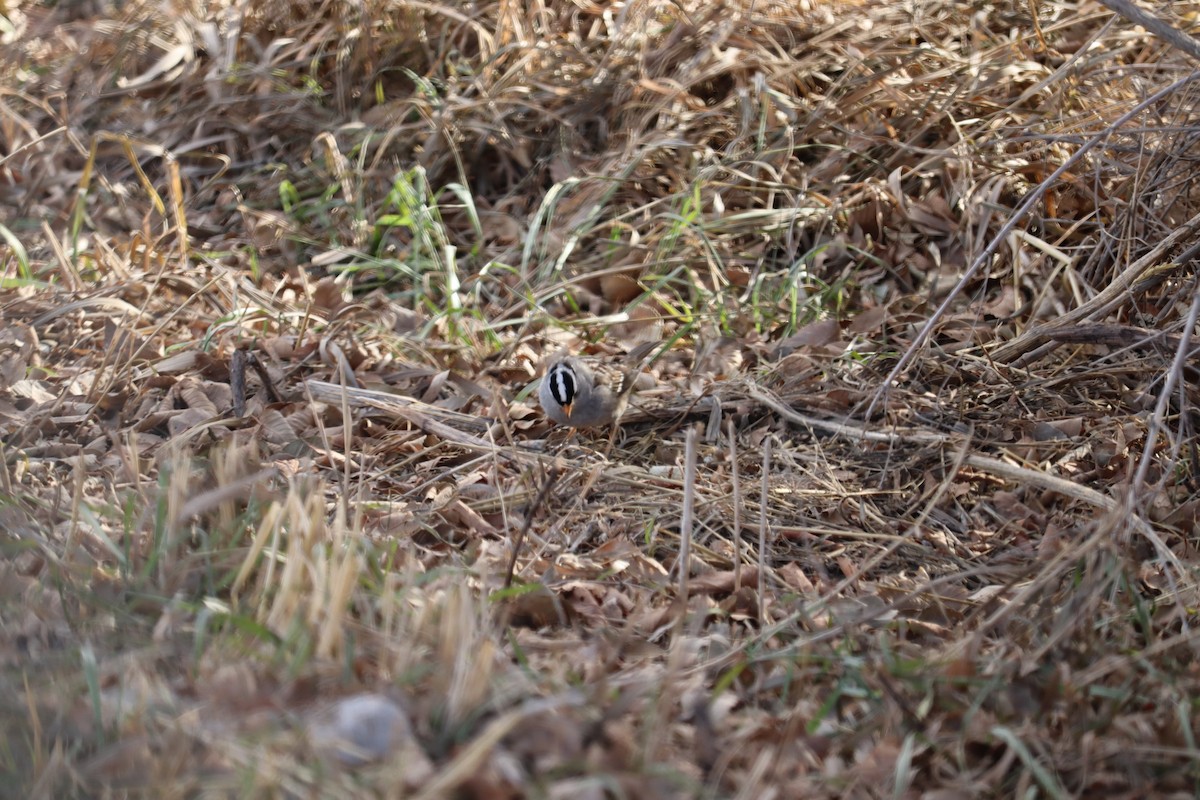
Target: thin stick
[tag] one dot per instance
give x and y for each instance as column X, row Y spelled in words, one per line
column 1117, row 292
column 1159, row 27
column 737, row 507
column 762, row 530
column 1018, row 214
column 985, row 463
column 520, row 540
column 1157, row 421
column 685, row 521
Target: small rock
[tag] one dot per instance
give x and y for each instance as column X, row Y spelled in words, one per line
column 359, row 729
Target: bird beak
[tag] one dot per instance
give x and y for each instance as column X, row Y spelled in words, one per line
column 567, row 409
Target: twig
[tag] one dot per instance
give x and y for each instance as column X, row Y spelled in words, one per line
column 737, row 507
column 1032, row 199
column 1116, row 292
column 419, row 414
column 519, row 542
column 1117, row 335
column 987, row 464
column 1160, row 408
column 1159, row 27
column 763, row 503
column 685, row 521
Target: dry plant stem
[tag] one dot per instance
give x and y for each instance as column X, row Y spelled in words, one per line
column 685, row 522
column 1102, row 304
column 348, row 432
column 551, row 478
column 66, row 269
column 414, row 411
column 993, row 466
column 1119, row 336
column 960, row 458
column 669, row 688
column 1032, row 199
column 737, row 506
column 237, row 382
column 80, row 473
column 1037, row 25
column 841, row 626
column 1159, row 27
column 1074, row 490
column 763, row 500
column 6, row 478
column 1160, row 407
column 585, row 491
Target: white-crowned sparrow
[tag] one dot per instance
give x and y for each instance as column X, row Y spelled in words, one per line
column 583, row 395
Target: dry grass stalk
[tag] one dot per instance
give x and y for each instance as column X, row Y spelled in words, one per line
column 686, row 531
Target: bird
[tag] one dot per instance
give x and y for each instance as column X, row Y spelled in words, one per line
column 580, row 394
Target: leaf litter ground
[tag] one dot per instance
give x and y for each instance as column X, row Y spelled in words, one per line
column 905, row 507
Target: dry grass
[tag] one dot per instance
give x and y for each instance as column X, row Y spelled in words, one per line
column 908, row 509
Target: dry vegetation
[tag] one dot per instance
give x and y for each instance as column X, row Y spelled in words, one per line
column 908, row 509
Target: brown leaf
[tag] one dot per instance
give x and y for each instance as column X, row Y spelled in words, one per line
column 868, row 321
column 327, row 297
column 463, row 517
column 620, row 287
column 815, row 334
